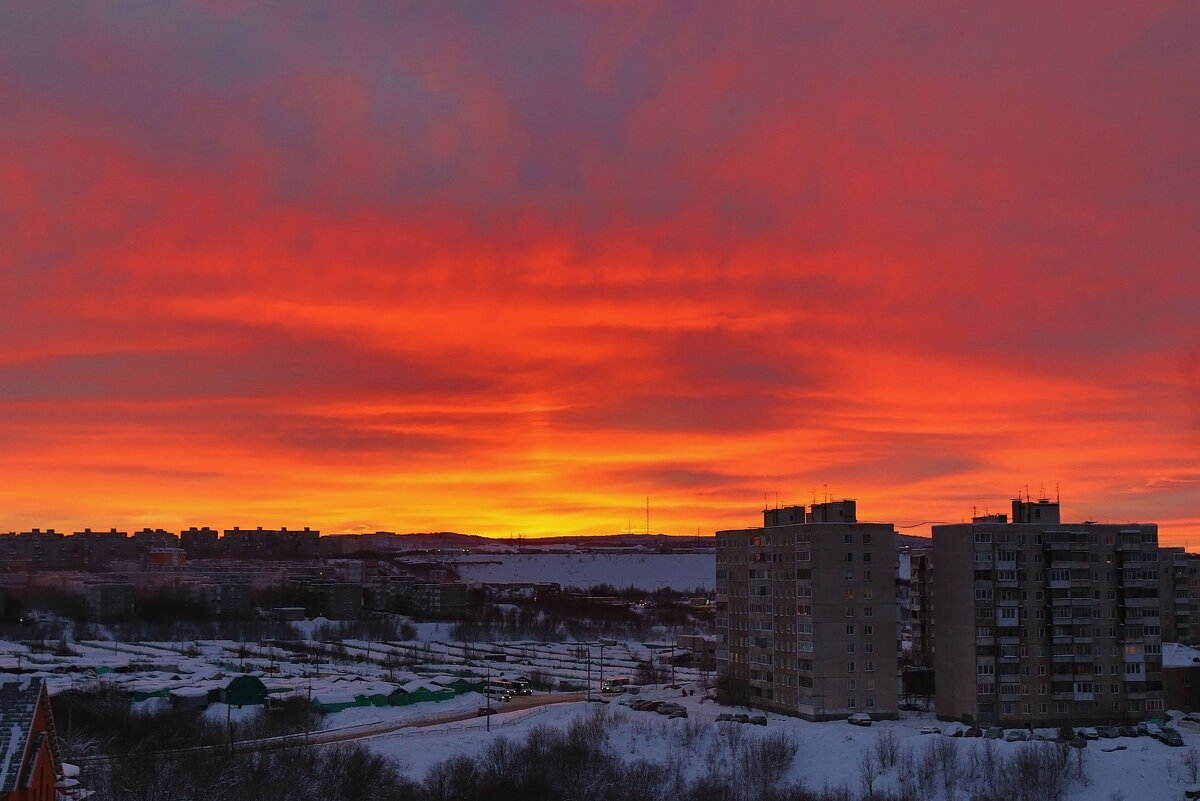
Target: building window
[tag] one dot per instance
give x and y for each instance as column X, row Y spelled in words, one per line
column 868, row 629
column 850, row 667
column 849, row 628
column 869, row 666
column 850, row 703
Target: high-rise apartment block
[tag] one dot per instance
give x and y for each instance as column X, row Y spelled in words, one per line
column 806, row 613
column 1044, row 623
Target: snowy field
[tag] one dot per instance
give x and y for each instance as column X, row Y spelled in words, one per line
column 829, row 754
column 681, row 572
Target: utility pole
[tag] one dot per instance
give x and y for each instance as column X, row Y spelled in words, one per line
column 487, row 692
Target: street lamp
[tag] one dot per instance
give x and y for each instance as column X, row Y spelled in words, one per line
column 602, row 666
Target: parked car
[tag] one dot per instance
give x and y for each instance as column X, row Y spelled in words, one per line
column 909, row 708
column 725, row 717
column 953, row 731
column 1171, row 737
column 758, row 720
column 1015, row 736
column 1108, row 732
column 1130, row 731
column 1088, row 733
column 1150, row 728
column 973, row 731
column 930, row 730
column 859, row 719
column 994, row 733
column 740, row 718
column 484, row 711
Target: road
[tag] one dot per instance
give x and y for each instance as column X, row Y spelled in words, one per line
column 374, row 730
column 352, row 733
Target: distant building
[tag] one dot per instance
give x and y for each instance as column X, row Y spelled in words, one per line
column 108, row 600
column 440, row 599
column 1181, row 677
column 703, row 648
column 806, row 613
column 200, row 543
column 1173, row 590
column 1043, row 623
column 336, row 600
column 921, row 607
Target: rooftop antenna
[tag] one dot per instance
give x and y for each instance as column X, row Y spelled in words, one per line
column 826, row 493
column 1057, row 496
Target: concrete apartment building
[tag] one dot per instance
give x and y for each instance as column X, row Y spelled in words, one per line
column 806, row 613
column 1044, row 623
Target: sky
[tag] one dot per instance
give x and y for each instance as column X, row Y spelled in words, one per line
column 514, row 268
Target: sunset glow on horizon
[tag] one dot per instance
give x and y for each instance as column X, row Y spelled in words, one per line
column 513, row 268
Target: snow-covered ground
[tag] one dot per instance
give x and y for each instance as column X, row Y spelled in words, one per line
column 829, row 754
column 646, row 571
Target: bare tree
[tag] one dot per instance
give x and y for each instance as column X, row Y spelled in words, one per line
column 868, row 772
column 1191, row 761
column 764, row 763
column 887, row 749
column 946, row 752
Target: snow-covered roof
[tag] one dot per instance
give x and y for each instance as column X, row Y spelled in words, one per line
column 1178, row 655
column 18, row 704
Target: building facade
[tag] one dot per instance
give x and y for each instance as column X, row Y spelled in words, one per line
column 806, row 613
column 1046, row 624
column 30, row 764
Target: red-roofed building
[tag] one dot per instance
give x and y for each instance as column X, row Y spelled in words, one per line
column 29, row 759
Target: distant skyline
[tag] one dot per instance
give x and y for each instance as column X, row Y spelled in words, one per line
column 510, row 268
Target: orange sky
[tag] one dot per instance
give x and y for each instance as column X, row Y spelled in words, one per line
column 512, row 268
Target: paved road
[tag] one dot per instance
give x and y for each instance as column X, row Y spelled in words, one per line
column 357, row 732
column 373, row 730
